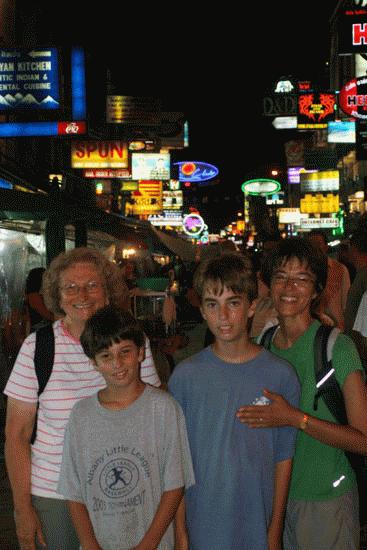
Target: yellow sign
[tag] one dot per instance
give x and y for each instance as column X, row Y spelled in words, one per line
column 320, row 204
column 99, row 154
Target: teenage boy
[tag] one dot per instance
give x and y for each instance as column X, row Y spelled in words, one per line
column 126, row 458
column 242, row 477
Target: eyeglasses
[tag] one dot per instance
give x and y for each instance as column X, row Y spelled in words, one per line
column 72, row 289
column 298, row 280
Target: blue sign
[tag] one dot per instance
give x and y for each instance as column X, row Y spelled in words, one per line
column 194, row 171
column 29, row 79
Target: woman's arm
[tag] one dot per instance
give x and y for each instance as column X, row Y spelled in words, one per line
column 83, row 526
column 352, row 437
column 164, row 515
column 20, row 419
column 281, row 486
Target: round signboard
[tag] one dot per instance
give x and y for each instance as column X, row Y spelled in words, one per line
column 353, row 98
column 260, row 186
column 193, row 225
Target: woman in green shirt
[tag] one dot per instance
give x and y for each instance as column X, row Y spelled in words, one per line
column 322, row 511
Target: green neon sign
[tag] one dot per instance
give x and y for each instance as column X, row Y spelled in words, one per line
column 260, row 186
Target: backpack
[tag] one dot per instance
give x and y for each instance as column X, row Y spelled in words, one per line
column 326, row 383
column 43, row 360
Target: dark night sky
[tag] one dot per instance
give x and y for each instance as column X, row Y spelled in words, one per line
column 209, row 66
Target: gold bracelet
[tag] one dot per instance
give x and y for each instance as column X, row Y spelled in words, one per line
column 304, row 422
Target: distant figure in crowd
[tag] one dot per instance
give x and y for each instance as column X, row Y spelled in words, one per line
column 35, row 304
column 77, row 284
column 242, row 478
column 322, row 510
column 334, row 297
column 265, row 312
column 358, row 257
column 137, row 468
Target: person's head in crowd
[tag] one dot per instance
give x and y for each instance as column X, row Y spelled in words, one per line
column 319, row 239
column 358, row 249
column 230, row 271
column 34, row 280
column 80, row 281
column 312, row 260
column 111, row 333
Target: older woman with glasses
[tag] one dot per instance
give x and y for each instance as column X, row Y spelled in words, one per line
column 76, row 285
column 322, row 509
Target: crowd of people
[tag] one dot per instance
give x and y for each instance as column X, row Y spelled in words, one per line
column 241, row 452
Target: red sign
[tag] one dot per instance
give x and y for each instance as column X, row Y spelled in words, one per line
column 315, row 109
column 71, row 128
column 353, row 98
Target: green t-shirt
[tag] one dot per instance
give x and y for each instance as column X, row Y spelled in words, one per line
column 320, row 472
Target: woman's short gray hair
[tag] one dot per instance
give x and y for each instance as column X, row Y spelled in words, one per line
column 116, row 289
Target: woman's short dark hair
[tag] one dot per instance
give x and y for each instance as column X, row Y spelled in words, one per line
column 108, row 326
column 307, row 254
column 234, row 271
column 116, row 289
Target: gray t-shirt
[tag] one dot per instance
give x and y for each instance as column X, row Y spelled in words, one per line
column 119, row 463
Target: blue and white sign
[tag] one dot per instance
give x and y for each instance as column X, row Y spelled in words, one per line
column 29, row 79
column 194, row 171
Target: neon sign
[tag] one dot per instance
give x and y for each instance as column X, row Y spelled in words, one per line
column 193, row 225
column 353, row 98
column 260, row 186
column 194, row 171
column 78, row 102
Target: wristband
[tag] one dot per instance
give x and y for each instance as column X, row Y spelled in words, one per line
column 304, row 422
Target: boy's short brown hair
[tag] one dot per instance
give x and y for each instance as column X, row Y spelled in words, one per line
column 108, row 326
column 234, row 271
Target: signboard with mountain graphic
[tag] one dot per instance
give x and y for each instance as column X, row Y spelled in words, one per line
column 29, row 79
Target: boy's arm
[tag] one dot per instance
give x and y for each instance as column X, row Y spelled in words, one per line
column 164, row 515
column 283, row 471
column 181, row 536
column 83, row 525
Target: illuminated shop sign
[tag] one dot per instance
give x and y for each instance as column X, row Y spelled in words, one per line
column 315, row 109
column 193, row 225
column 37, row 80
column 194, row 171
column 27, row 129
column 294, row 174
column 289, row 215
column 121, row 173
column 321, row 182
column 319, row 223
column 352, row 28
column 341, row 131
column 99, row 154
column 150, row 166
column 29, row 79
column 353, row 98
column 172, row 200
column 168, row 218
column 122, row 109
column 260, row 186
column 320, row 204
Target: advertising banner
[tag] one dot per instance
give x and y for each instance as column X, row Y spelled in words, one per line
column 99, row 154
column 320, row 182
column 29, row 79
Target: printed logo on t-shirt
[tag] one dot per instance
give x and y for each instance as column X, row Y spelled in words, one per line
column 118, row 478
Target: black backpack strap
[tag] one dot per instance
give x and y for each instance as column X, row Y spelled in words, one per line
column 326, row 383
column 267, row 336
column 44, row 355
